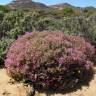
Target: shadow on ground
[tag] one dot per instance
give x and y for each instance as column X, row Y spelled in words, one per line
column 1, row 65
column 79, row 85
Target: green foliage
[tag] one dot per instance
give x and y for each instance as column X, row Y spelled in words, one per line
column 10, row 21
column 17, row 23
column 4, row 43
column 1, row 16
column 67, row 11
column 4, row 9
column 78, row 25
column 15, row 32
column 44, row 24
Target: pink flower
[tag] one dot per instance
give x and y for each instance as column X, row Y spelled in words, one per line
column 53, row 54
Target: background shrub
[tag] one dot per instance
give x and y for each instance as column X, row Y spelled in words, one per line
column 4, row 44
column 68, row 11
column 4, row 9
column 50, row 60
column 16, row 22
column 79, row 26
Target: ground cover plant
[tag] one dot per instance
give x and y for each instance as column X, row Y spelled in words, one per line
column 50, row 60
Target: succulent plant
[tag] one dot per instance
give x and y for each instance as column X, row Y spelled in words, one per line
column 50, row 60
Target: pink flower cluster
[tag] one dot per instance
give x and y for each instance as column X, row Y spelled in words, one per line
column 52, row 57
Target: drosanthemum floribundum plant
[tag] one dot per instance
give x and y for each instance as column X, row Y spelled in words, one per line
column 50, row 59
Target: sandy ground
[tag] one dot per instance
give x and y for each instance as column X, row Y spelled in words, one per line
column 9, row 87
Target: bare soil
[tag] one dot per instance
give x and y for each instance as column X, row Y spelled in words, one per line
column 9, row 87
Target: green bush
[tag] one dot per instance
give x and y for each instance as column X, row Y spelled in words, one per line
column 79, row 26
column 4, row 43
column 67, row 11
column 4, row 9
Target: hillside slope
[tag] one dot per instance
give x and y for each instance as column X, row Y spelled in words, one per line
column 25, row 4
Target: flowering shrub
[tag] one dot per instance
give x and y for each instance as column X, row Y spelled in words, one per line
column 50, row 59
